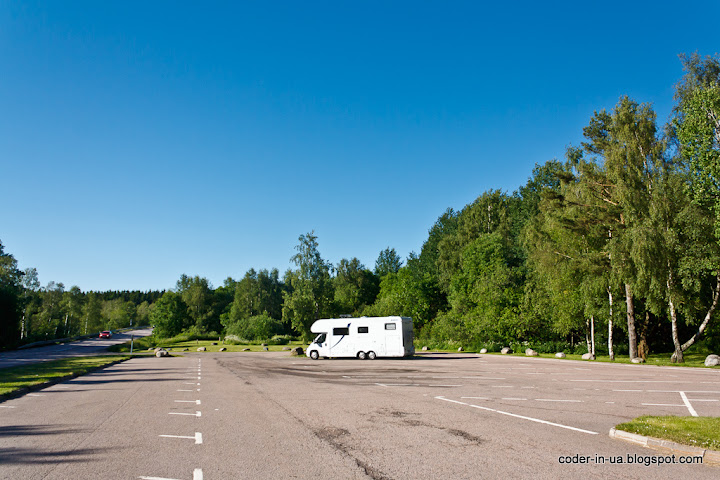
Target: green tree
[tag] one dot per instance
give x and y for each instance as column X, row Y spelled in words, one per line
column 197, row 294
column 92, row 314
column 387, row 262
column 10, row 284
column 626, row 145
column 169, row 315
column 355, row 286
column 311, row 294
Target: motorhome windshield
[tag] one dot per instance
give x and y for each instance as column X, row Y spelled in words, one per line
column 320, row 338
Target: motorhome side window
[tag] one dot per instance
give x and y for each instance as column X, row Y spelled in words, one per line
column 320, row 338
column 389, row 326
column 362, row 329
column 341, row 331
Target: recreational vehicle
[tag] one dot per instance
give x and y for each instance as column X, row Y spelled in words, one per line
column 364, row 337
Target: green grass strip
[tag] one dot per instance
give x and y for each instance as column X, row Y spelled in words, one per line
column 702, row 432
column 14, row 379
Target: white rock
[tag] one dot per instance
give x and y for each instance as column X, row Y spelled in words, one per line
column 506, row 350
column 460, row 349
column 559, row 355
column 483, row 350
column 529, row 352
column 712, row 361
column 201, row 349
column 588, row 356
column 638, row 360
column 425, row 348
column 161, row 353
column 222, row 349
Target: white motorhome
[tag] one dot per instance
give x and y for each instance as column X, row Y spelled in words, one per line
column 364, row 337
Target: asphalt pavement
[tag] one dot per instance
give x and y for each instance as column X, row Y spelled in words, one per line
column 80, row 348
column 269, row 415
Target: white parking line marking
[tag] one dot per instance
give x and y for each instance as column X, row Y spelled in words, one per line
column 662, row 405
column 397, row 384
column 197, row 437
column 156, row 478
column 688, row 405
column 630, row 381
column 188, row 401
column 555, row 400
column 184, row 390
column 519, row 416
column 35, row 395
column 702, row 400
column 197, row 474
column 196, row 414
column 512, row 398
column 7, row 406
column 444, row 385
column 478, row 398
column 627, row 390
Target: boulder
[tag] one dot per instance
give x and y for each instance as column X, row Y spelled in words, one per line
column 559, row 355
column 285, row 349
column 483, row 350
column 158, row 349
column 506, row 350
column 425, row 348
column 213, row 343
column 712, row 360
column 184, row 350
column 529, row 352
column 265, row 349
column 638, row 360
column 222, row 349
column 162, row 353
column 297, row 351
column 460, row 349
column 245, row 350
column 588, row 356
column 201, row 349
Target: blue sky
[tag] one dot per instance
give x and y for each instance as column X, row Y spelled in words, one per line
column 143, row 140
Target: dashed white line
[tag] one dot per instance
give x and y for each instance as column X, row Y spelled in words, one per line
column 197, row 402
column 477, row 398
column 196, row 414
column 662, row 405
column 184, row 390
column 7, row 406
column 537, row 420
column 556, row 400
column 197, row 437
column 197, row 474
column 512, row 398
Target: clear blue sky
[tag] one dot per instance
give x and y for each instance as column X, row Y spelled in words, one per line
column 143, row 140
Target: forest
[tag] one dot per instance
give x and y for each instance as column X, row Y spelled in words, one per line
column 614, row 250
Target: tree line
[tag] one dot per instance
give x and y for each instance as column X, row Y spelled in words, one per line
column 614, row 249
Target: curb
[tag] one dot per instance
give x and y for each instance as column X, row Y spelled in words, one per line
column 709, row 456
column 34, row 388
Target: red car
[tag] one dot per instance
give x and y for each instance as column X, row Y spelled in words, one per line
column 105, row 334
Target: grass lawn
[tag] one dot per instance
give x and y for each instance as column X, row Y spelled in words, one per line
column 702, row 432
column 663, row 359
column 142, row 345
column 15, row 378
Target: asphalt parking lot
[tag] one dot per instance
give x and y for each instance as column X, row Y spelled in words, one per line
column 206, row 416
